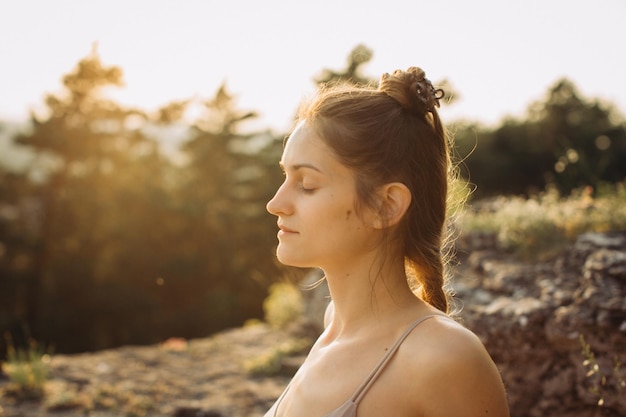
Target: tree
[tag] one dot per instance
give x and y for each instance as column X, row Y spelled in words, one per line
column 143, row 249
column 358, row 57
column 352, row 74
column 565, row 140
column 586, row 145
column 225, row 188
column 101, row 193
column 18, row 224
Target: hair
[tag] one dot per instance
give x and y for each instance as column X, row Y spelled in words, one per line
column 388, row 134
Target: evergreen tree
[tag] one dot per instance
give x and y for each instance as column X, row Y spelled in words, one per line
column 225, row 188
column 102, row 186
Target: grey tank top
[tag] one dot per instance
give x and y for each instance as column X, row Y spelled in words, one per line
column 348, row 409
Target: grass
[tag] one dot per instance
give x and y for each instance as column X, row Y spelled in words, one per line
column 27, row 369
column 541, row 226
column 600, row 382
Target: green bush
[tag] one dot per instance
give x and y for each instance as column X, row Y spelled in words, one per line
column 283, row 305
column 27, row 369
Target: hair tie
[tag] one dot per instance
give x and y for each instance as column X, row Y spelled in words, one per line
column 428, row 94
column 412, row 90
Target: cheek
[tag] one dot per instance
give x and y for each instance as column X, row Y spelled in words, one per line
column 335, row 211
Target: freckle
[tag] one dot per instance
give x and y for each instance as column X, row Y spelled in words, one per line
column 348, row 214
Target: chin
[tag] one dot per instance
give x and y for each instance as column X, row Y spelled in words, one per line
column 291, row 260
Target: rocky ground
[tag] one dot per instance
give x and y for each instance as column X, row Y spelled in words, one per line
column 556, row 329
column 196, row 378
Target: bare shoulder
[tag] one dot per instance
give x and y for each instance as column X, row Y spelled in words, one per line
column 445, row 339
column 442, row 344
column 456, row 375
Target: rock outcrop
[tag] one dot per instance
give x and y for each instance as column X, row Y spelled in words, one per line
column 556, row 329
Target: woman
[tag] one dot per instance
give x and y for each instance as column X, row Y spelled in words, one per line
column 364, row 199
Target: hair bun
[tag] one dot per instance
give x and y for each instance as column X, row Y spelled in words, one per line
column 411, row 89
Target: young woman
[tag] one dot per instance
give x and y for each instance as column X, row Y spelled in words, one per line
column 364, row 199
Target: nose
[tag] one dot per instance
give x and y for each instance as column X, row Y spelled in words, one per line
column 279, row 204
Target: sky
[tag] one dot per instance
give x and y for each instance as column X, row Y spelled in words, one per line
column 498, row 55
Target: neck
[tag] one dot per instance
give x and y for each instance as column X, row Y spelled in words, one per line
column 368, row 295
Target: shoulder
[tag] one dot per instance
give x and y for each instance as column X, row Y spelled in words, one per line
column 441, row 343
column 445, row 339
column 456, row 374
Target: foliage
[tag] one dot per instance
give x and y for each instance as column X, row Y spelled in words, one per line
column 95, row 203
column 565, row 141
column 223, row 192
column 27, row 369
column 283, row 305
column 539, row 226
column 359, row 56
column 147, row 246
column 105, row 224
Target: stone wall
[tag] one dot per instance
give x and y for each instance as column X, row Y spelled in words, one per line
column 556, row 329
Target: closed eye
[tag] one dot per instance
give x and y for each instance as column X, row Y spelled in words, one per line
column 306, row 190
column 298, row 177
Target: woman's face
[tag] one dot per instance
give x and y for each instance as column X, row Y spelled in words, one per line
column 315, row 207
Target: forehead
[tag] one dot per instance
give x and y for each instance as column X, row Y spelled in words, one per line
column 305, row 147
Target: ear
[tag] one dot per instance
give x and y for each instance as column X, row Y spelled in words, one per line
column 394, row 199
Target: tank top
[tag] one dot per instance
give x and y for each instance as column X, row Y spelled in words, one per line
column 348, row 409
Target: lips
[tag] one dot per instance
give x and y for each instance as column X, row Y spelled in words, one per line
column 285, row 229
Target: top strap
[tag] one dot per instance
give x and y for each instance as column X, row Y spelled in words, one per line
column 373, row 376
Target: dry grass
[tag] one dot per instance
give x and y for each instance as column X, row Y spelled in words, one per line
column 539, row 227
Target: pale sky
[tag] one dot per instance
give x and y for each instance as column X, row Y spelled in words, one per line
column 499, row 55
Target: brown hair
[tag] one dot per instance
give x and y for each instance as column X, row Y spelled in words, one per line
column 393, row 133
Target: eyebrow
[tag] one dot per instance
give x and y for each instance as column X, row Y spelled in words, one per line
column 297, row 167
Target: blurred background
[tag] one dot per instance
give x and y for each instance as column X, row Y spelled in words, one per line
column 139, row 140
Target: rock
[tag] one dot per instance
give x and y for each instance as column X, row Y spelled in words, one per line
column 556, row 329
column 614, row 240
